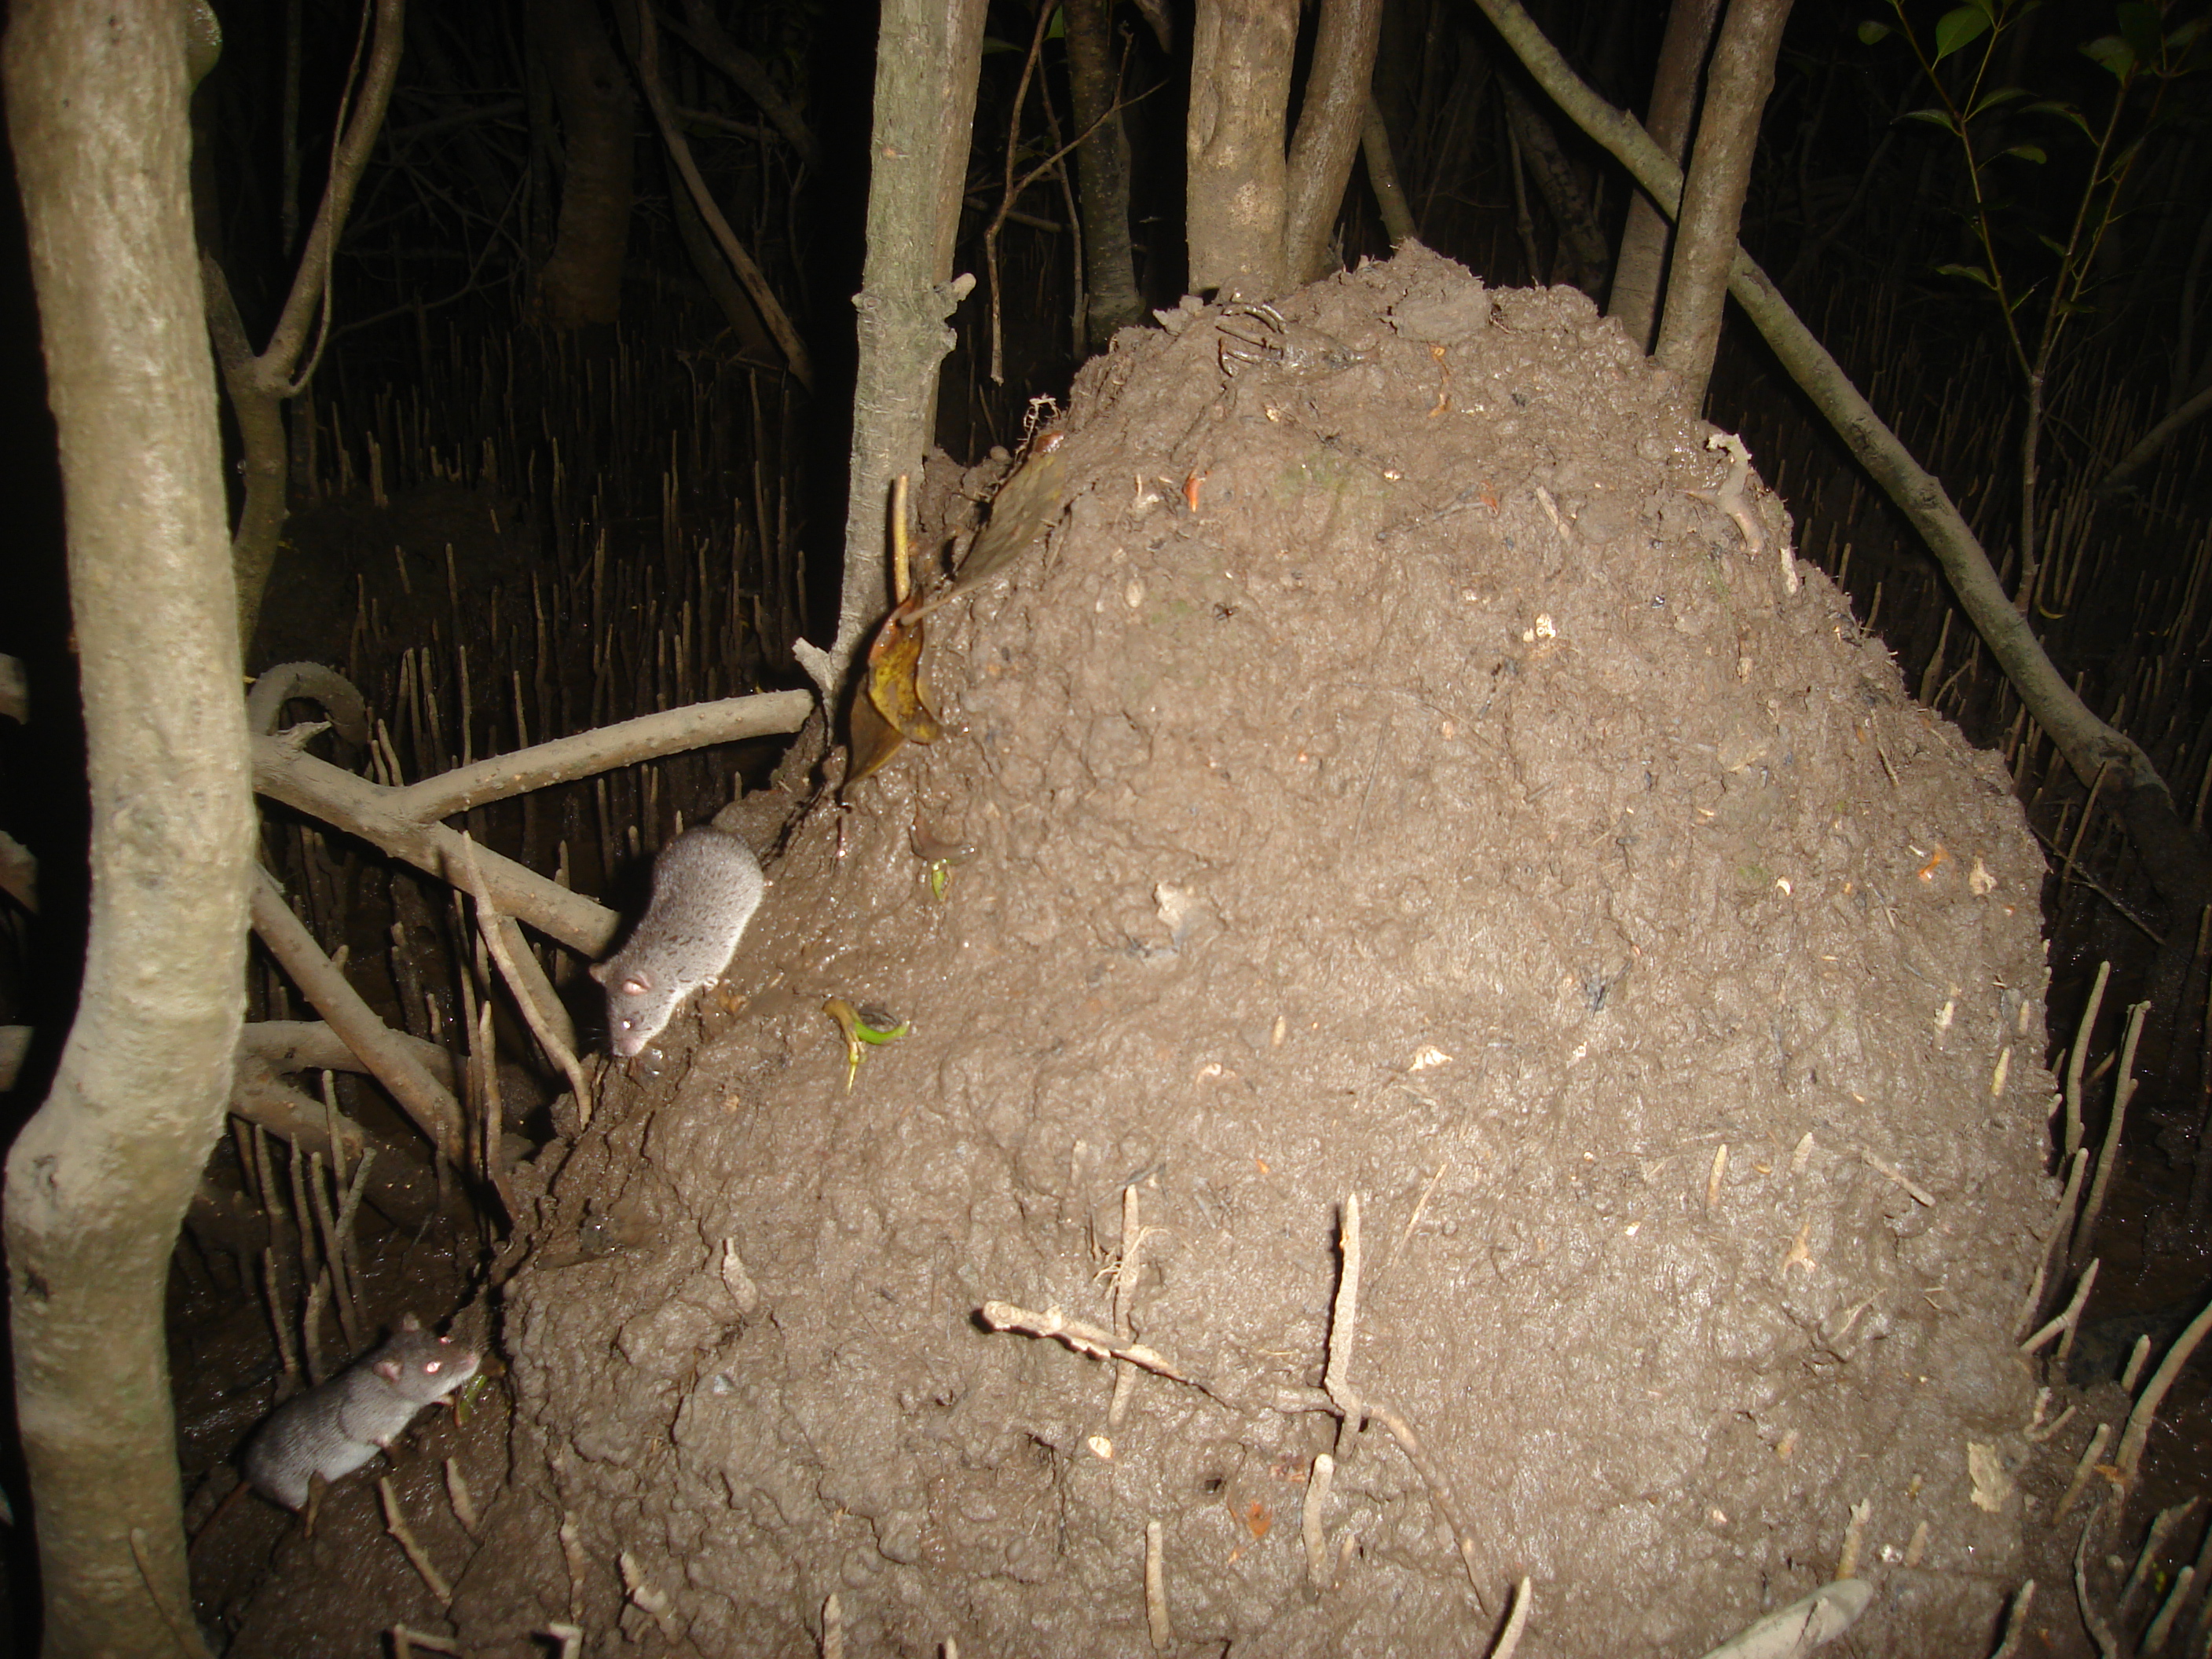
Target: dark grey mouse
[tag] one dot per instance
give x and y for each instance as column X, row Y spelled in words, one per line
column 706, row 886
column 336, row 1426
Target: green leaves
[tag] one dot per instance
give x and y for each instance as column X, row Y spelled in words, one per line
column 2064, row 112
column 1960, row 26
column 2143, row 43
column 2114, row 54
column 1935, row 118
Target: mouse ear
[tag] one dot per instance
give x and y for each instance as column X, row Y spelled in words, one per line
column 387, row 1369
column 600, row 970
column 408, row 1323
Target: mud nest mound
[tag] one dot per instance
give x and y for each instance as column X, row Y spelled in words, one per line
column 1413, row 769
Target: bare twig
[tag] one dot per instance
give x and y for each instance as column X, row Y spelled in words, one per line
column 2083, row 1470
column 1405, row 1233
column 2109, row 1154
column 1509, row 1639
column 2067, row 1321
column 1309, row 1530
column 1884, row 1168
column 1086, row 1339
column 490, row 923
column 756, row 285
column 1440, row 1490
column 2154, row 1394
column 426, row 1101
column 343, row 1298
column 457, row 1494
column 1124, row 1271
column 2079, row 1051
column 2016, row 1620
column 2100, row 1631
column 1156, row 1595
column 1344, row 1323
column 2161, row 1524
column 298, row 1045
column 395, row 1522
column 647, row 1596
column 2162, row 1626
column 588, row 754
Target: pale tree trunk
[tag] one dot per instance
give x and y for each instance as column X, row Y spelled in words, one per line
column 1712, row 198
column 1640, row 271
column 98, row 1180
column 581, row 283
column 1109, row 260
column 1240, row 91
column 1383, row 179
column 927, row 53
column 1331, row 119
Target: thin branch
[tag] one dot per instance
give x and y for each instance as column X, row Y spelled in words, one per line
column 433, row 1110
column 311, row 282
column 756, row 282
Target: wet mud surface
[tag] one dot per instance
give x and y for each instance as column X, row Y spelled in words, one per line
column 1410, row 770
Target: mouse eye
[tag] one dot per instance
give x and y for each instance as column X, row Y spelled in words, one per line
column 434, row 1367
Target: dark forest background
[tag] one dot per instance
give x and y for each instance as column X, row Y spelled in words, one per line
column 511, row 520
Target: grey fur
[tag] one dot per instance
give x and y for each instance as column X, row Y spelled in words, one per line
column 706, row 886
column 333, row 1428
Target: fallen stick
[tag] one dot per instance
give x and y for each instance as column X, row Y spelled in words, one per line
column 1086, row 1339
column 1343, row 1328
column 626, row 743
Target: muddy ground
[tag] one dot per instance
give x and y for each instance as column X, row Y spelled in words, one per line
column 1409, row 771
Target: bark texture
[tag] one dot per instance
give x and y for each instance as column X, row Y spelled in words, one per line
column 1578, row 257
column 1639, row 273
column 99, row 1178
column 1331, row 119
column 1101, row 167
column 1382, row 177
column 1239, row 90
column 581, row 282
column 1712, row 199
column 927, row 53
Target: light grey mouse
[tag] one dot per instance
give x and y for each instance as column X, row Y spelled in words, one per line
column 336, row 1426
column 706, row 886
